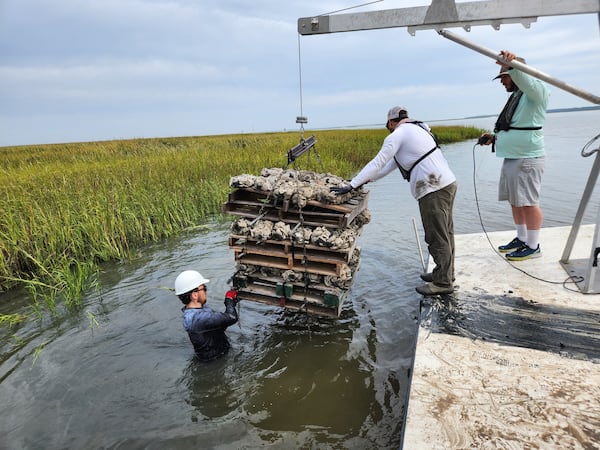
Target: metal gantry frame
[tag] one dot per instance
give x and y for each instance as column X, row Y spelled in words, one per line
column 584, row 271
column 447, row 14
column 443, row 14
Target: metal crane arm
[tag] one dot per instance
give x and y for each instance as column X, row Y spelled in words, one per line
column 443, row 14
column 446, row 14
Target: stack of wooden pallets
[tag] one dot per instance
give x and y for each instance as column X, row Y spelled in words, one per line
column 321, row 273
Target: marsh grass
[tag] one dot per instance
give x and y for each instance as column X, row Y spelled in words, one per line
column 67, row 207
column 9, row 320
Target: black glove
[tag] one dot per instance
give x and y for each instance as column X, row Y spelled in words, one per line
column 340, row 190
column 485, row 139
column 231, row 295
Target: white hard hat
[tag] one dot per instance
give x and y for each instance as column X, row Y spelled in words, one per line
column 188, row 280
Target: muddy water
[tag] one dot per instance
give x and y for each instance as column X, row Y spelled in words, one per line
column 120, row 372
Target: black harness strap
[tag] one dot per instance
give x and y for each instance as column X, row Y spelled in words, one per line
column 406, row 173
column 513, row 128
column 506, row 115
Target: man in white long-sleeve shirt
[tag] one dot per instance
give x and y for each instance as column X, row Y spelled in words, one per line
column 412, row 148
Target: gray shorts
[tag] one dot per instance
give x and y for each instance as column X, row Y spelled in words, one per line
column 521, row 181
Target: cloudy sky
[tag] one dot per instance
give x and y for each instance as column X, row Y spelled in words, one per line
column 87, row 70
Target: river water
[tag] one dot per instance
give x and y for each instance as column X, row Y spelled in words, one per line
column 120, row 372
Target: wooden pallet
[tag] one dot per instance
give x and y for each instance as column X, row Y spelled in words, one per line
column 314, row 299
column 250, row 203
column 287, row 248
column 291, row 262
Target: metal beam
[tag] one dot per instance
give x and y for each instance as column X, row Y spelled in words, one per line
column 447, row 14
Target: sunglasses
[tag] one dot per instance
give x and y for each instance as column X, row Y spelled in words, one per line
column 203, row 288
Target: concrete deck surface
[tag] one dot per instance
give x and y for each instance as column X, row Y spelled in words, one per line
column 508, row 361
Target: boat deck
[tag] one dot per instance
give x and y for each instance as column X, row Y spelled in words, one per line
column 508, row 360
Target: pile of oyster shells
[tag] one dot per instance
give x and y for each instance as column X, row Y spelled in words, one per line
column 298, row 187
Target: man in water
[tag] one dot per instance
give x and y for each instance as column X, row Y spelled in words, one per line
column 518, row 138
column 412, row 148
column 205, row 327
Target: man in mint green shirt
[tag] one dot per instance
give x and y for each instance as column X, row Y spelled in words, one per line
column 519, row 139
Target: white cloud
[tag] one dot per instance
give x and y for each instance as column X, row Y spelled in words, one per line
column 87, row 70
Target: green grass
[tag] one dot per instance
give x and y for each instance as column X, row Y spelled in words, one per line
column 67, row 207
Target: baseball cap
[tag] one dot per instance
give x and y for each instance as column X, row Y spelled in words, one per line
column 397, row 112
column 505, row 70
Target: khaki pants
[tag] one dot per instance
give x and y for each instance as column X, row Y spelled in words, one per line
column 438, row 223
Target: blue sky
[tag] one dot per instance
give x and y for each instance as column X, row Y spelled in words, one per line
column 87, row 70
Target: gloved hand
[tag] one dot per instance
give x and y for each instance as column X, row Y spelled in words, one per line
column 232, row 295
column 485, row 139
column 340, row 190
